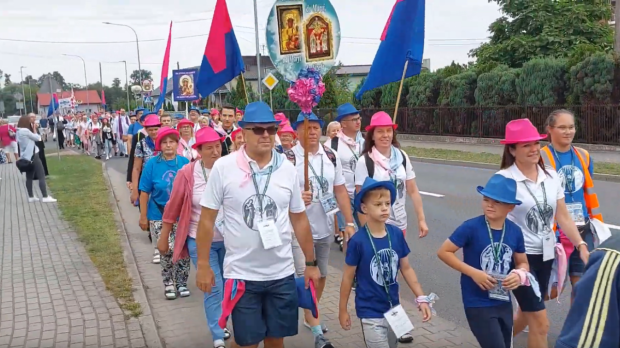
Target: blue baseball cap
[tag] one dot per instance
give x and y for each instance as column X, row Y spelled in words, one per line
column 194, row 108
column 306, row 298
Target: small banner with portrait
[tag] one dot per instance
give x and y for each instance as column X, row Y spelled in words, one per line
column 184, row 85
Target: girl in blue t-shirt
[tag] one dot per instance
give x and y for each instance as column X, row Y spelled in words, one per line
column 375, row 255
column 491, row 245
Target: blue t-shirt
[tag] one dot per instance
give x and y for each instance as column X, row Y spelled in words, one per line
column 473, row 237
column 156, row 180
column 134, row 128
column 43, row 122
column 570, row 171
column 371, row 301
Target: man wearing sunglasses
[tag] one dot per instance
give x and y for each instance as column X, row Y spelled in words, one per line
column 228, row 119
column 258, row 190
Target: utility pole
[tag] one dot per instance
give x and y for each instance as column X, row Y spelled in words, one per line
column 616, row 6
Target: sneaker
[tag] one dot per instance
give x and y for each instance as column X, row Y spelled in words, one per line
column 527, row 329
column 33, row 199
column 226, row 334
column 406, row 338
column 322, row 342
column 170, row 292
column 107, row 158
column 156, row 257
column 49, row 199
column 323, row 326
column 219, row 344
column 183, row 291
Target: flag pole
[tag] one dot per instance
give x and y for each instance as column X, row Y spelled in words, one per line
column 247, row 101
column 400, row 89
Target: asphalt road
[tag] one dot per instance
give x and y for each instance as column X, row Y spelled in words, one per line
column 460, row 202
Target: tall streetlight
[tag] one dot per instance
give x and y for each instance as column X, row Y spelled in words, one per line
column 127, row 86
column 137, row 46
column 30, row 92
column 21, row 72
column 85, row 78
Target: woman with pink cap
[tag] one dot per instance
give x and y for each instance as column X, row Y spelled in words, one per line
column 215, row 116
column 186, row 130
column 155, row 188
column 281, row 117
column 184, row 207
column 237, row 138
column 542, row 195
column 287, row 137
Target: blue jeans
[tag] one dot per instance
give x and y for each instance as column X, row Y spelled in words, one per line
column 212, row 301
column 342, row 223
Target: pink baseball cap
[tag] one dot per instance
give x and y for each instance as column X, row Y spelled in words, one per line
column 207, row 135
column 380, row 119
column 521, row 131
column 162, row 133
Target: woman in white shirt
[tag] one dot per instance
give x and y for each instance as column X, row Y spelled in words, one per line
column 29, row 151
column 541, row 191
column 96, row 142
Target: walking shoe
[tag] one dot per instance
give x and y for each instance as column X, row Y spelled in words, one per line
column 226, row 334
column 107, row 158
column 323, row 326
column 322, row 342
column 183, row 291
column 406, row 338
column 156, row 257
column 49, row 199
column 33, row 199
column 126, row 155
column 170, row 292
column 97, row 157
column 219, row 344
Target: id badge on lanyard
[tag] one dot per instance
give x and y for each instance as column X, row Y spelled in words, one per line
column 547, row 235
column 576, row 212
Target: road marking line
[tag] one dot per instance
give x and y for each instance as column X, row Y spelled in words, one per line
column 613, row 227
column 439, row 196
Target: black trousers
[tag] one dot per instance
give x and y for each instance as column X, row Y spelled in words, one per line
column 61, row 140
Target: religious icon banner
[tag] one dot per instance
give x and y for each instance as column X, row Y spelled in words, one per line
column 303, row 34
column 184, row 86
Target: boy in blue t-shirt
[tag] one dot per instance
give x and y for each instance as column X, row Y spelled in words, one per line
column 374, row 256
column 491, row 245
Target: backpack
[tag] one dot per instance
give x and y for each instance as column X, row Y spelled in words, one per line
column 370, row 164
column 334, row 143
column 290, row 155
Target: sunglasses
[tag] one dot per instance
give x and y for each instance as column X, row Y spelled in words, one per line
column 271, row 130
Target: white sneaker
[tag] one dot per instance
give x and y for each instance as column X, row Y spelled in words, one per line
column 49, row 199
column 33, row 199
column 107, row 158
column 219, row 344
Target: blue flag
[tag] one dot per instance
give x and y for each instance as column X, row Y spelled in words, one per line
column 402, row 40
column 54, row 105
column 221, row 61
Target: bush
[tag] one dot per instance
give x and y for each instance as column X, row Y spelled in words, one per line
column 542, row 82
column 592, row 80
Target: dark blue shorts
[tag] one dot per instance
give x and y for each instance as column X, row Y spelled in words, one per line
column 576, row 267
column 541, row 270
column 267, row 309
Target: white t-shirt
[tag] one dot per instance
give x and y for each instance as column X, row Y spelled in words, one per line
column 348, row 157
column 322, row 225
column 527, row 215
column 230, row 189
column 199, row 187
column 398, row 215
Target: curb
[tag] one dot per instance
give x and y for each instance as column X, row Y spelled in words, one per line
column 597, row 176
column 147, row 322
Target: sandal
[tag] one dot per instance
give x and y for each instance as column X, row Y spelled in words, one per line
column 226, row 334
column 183, row 291
column 170, row 292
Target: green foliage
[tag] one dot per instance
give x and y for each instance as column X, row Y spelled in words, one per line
column 424, row 89
column 497, row 87
column 451, row 70
column 592, row 80
column 343, row 91
column 6, row 95
column 542, row 82
column 7, row 80
column 135, row 76
column 581, row 52
column 389, row 94
column 458, row 90
column 370, row 99
column 543, row 28
column 329, row 100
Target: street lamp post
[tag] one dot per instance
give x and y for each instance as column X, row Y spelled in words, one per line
column 137, row 46
column 127, row 86
column 30, row 92
column 21, row 73
column 85, row 78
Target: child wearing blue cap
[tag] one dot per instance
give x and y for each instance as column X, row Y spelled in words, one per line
column 375, row 255
column 492, row 246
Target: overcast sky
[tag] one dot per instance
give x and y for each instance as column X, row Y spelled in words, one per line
column 453, row 27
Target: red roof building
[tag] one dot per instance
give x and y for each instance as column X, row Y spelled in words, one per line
column 84, row 104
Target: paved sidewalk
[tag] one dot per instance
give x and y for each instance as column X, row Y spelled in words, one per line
column 51, row 294
column 181, row 323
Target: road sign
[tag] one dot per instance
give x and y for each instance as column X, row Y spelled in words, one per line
column 270, row 81
column 18, row 96
column 19, row 105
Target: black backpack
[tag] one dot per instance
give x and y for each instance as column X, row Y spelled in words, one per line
column 370, row 164
column 290, row 155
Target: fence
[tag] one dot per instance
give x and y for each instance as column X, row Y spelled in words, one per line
column 596, row 124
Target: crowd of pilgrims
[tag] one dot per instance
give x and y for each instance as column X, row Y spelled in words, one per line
column 224, row 191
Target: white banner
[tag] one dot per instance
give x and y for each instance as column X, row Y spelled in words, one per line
column 64, row 103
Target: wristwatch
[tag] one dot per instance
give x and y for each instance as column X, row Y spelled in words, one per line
column 582, row 243
column 311, row 263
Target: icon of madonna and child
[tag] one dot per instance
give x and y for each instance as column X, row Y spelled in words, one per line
column 317, row 33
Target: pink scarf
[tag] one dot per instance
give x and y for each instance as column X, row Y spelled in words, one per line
column 379, row 159
column 347, row 140
column 185, row 150
column 244, row 165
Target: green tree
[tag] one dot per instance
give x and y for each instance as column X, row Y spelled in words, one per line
column 370, row 99
column 592, row 80
column 29, row 80
column 116, row 82
column 135, row 76
column 540, row 28
column 542, row 81
column 329, row 100
column 497, row 87
column 60, row 79
column 451, row 70
column 7, row 80
column 343, row 91
column 424, row 90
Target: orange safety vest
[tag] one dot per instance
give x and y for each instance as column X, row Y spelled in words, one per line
column 589, row 194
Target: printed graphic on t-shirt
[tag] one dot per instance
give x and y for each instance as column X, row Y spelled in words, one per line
column 487, row 261
column 400, row 188
column 252, row 210
column 318, row 185
column 385, row 269
column 352, row 163
column 572, row 178
column 168, row 178
column 535, row 222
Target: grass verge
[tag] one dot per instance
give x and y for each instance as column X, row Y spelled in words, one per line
column 484, row 157
column 79, row 185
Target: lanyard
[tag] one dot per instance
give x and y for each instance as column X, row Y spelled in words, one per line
column 569, row 175
column 538, row 206
column 354, row 151
column 260, row 197
column 204, row 173
column 498, row 249
column 318, row 178
column 380, row 263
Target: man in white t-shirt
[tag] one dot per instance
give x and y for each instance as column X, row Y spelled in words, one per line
column 327, row 193
column 258, row 191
